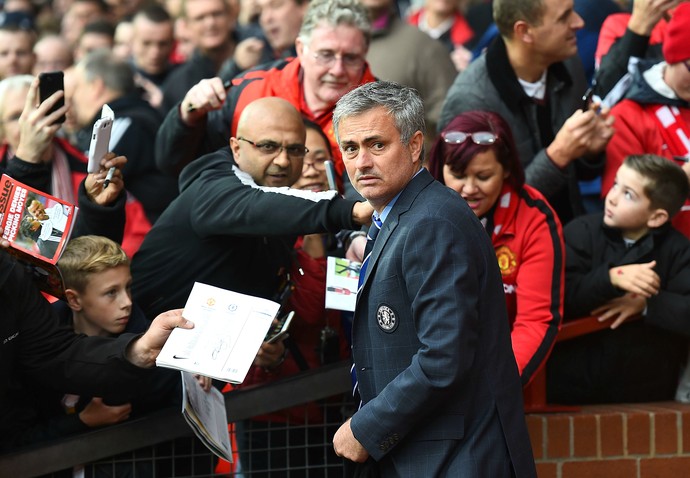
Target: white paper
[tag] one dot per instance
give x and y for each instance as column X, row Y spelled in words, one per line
column 229, row 328
column 342, row 278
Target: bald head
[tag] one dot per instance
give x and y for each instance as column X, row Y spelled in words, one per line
column 269, row 144
column 271, row 109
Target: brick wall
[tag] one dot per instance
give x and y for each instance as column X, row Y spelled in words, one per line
column 649, row 440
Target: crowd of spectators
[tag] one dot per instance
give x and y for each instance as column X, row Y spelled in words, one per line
column 223, row 111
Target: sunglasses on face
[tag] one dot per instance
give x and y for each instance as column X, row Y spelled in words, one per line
column 480, row 137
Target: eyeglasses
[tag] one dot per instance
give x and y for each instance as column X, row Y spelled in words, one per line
column 271, row 148
column 318, row 164
column 483, row 138
column 328, row 58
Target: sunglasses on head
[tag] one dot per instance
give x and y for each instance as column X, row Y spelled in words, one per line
column 458, row 137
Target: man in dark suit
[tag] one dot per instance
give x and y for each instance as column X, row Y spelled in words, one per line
column 440, row 389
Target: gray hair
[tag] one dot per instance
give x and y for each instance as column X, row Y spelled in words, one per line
column 116, row 74
column 7, row 86
column 508, row 12
column 334, row 13
column 402, row 102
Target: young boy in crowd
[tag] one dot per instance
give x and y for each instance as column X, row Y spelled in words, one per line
column 97, row 280
column 630, row 268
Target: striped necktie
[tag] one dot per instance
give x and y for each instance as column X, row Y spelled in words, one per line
column 371, row 237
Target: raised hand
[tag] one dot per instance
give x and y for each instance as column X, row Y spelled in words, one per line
column 94, row 182
column 205, row 96
column 37, row 128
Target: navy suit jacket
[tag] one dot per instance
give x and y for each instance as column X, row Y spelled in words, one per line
column 431, row 345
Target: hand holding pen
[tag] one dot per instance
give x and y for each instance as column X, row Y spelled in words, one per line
column 104, row 187
column 205, row 96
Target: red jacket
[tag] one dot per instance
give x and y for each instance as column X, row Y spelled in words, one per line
column 528, row 240
column 460, row 32
column 637, row 132
column 136, row 225
column 284, row 81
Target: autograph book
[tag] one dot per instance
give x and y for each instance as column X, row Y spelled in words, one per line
column 229, row 328
column 37, row 226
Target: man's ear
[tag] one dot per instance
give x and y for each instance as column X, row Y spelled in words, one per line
column 299, row 47
column 235, row 147
column 416, row 146
column 658, row 218
column 523, row 31
column 73, row 300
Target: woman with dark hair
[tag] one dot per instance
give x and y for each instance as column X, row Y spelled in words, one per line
column 476, row 156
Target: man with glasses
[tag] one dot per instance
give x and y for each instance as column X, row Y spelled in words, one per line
column 331, row 51
column 531, row 76
column 654, row 117
column 234, row 225
column 235, row 221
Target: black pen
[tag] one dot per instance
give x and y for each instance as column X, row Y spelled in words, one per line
column 226, row 84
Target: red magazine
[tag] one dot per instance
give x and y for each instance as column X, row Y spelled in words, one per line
column 38, row 226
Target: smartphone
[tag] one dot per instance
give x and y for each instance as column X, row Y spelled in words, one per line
column 330, row 174
column 49, row 83
column 279, row 330
column 100, row 139
column 587, row 99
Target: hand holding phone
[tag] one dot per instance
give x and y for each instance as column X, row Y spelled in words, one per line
column 100, row 139
column 48, row 84
column 588, row 98
column 279, row 330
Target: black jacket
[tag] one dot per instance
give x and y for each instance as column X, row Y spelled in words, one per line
column 226, row 231
column 34, row 349
column 640, row 360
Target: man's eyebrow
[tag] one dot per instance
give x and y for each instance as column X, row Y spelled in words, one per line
column 368, row 139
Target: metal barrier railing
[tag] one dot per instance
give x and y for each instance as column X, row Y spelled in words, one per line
column 168, row 425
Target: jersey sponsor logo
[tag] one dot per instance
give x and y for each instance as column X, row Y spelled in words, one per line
column 386, row 318
column 507, row 261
